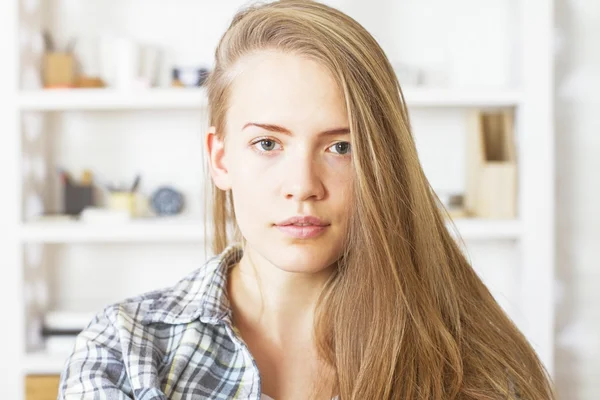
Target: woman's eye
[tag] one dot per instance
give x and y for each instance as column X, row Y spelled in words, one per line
column 265, row 145
column 341, row 148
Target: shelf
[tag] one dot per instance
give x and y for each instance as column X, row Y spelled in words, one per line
column 193, row 99
column 483, row 98
column 106, row 99
column 485, row 229
column 168, row 230
column 181, row 230
column 67, row 319
column 43, row 363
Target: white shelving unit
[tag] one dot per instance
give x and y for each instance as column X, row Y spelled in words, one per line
column 106, row 99
column 161, row 231
column 42, row 363
column 101, row 99
column 532, row 234
column 181, row 230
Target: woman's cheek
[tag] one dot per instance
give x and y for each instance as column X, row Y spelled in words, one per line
column 339, row 166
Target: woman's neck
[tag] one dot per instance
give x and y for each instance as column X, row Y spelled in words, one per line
column 268, row 299
column 273, row 310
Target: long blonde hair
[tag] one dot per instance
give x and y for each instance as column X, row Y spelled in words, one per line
column 405, row 316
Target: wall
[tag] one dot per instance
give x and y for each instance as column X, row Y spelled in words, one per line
column 166, row 146
column 578, row 218
column 134, row 142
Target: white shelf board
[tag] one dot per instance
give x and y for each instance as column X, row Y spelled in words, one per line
column 488, row 229
column 182, row 230
column 455, row 97
column 152, row 99
column 167, row 230
column 108, row 99
column 43, row 363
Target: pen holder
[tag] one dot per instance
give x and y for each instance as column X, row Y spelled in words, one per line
column 77, row 197
column 59, row 70
column 124, row 201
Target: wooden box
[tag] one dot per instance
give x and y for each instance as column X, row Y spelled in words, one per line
column 491, row 166
column 59, row 70
column 41, row 387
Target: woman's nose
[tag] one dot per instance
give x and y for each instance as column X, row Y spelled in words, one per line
column 302, row 178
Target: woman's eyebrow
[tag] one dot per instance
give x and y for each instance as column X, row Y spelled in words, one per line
column 281, row 129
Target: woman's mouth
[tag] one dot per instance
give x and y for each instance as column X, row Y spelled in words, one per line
column 302, row 231
column 303, row 226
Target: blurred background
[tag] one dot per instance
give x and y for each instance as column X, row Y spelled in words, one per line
column 101, row 159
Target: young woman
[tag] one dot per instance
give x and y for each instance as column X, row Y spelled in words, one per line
column 341, row 279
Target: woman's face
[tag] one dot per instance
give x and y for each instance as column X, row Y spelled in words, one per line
column 286, row 154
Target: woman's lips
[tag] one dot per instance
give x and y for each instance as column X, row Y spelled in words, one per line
column 302, row 232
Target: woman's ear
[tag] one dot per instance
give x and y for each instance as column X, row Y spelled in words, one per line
column 217, row 160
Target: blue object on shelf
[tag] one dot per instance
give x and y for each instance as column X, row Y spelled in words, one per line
column 167, row 201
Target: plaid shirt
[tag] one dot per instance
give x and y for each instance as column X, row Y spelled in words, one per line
column 176, row 343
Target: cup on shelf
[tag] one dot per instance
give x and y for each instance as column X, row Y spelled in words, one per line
column 123, row 201
column 127, row 64
column 149, row 66
column 59, row 70
column 77, row 195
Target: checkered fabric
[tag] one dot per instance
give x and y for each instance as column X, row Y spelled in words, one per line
column 175, row 343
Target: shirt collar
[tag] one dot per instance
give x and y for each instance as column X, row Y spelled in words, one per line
column 200, row 295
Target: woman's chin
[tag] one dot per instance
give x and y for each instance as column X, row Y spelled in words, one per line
column 301, row 269
column 298, row 256
column 302, row 260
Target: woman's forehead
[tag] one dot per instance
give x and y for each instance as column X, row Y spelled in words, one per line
column 281, row 88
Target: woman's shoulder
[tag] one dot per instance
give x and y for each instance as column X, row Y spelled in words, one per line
column 148, row 318
column 127, row 345
column 200, row 295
